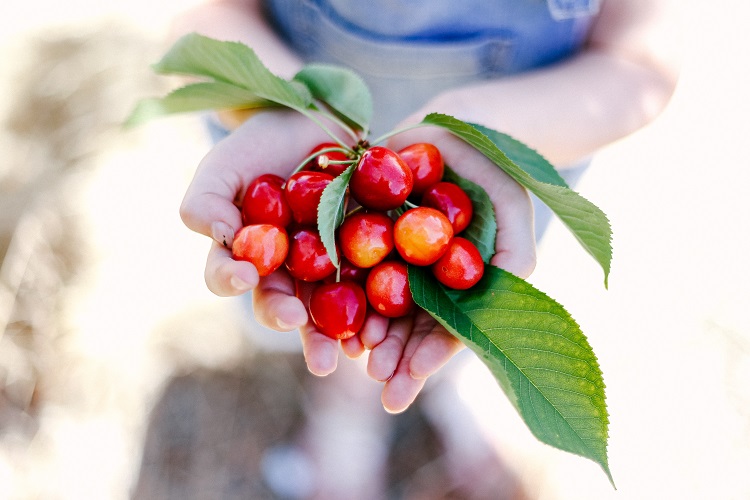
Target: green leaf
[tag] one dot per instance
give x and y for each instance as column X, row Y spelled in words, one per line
column 196, row 97
column 535, row 350
column 331, row 211
column 232, row 63
column 342, row 89
column 519, row 153
column 482, row 231
column 584, row 219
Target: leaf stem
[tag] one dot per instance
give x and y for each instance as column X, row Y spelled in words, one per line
column 390, row 134
column 341, row 123
column 328, row 131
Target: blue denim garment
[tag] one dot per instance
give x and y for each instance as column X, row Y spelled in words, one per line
column 410, row 50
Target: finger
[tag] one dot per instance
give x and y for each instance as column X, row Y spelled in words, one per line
column 384, row 358
column 400, row 391
column 321, row 352
column 435, row 350
column 352, row 347
column 227, row 277
column 275, row 303
column 374, row 330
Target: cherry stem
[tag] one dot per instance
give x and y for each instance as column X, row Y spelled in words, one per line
column 323, row 151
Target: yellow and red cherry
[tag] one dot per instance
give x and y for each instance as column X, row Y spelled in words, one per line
column 366, row 238
column 338, row 309
column 426, row 165
column 388, row 291
column 461, row 266
column 307, row 259
column 422, row 235
column 453, row 201
column 303, row 191
column 381, row 180
column 263, row 245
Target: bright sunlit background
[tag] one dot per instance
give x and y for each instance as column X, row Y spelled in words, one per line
column 102, row 299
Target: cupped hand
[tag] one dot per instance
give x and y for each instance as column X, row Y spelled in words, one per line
column 269, row 142
column 404, row 352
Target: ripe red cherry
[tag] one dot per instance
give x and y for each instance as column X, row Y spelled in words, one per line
column 366, row 238
column 388, row 289
column 264, row 202
column 303, row 192
column 453, row 201
column 264, row 245
column 381, row 181
column 307, row 259
column 461, row 266
column 320, row 165
column 426, row 164
column 422, row 235
column 338, row 309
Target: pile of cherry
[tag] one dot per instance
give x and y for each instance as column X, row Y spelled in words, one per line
column 406, row 214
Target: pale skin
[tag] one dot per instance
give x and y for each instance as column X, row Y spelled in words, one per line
column 618, row 84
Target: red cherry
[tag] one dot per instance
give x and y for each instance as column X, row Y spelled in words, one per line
column 422, row 235
column 461, row 266
column 320, row 165
column 308, row 259
column 426, row 164
column 381, row 181
column 338, row 309
column 366, row 238
column 453, row 201
column 264, row 245
column 303, row 192
column 388, row 289
column 264, row 202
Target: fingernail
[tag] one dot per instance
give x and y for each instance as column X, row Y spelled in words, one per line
column 222, row 233
column 239, row 284
column 285, row 326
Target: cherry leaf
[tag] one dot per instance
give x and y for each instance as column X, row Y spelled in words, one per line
column 196, row 97
column 230, row 67
column 525, row 157
column 331, row 211
column 535, row 350
column 343, row 90
column 585, row 220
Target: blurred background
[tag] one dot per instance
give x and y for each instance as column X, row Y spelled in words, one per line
column 121, row 376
